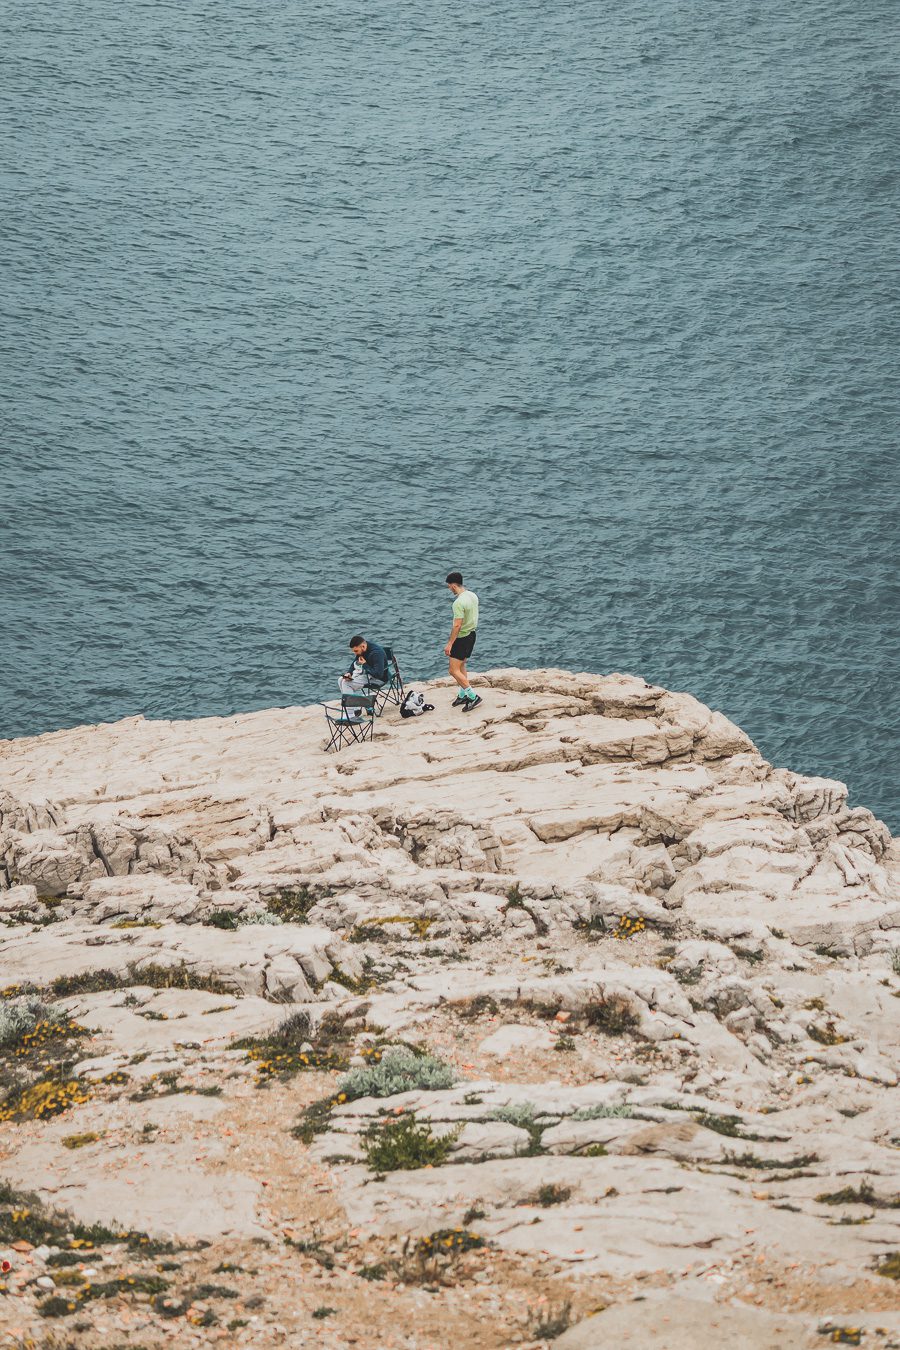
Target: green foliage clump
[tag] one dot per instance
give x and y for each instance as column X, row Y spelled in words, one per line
column 153, row 975
column 291, row 905
column 482, row 1005
column 400, row 1070
column 315, row 1119
column 612, row 1014
column 863, row 1194
column 547, row 1323
column 727, row 1125
column 61, row 1306
column 222, row 918
column 550, row 1194
column 770, row 1164
column 376, row 1272
column 74, row 1141
column 403, row 1145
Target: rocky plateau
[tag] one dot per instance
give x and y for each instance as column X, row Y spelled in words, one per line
column 568, row 1021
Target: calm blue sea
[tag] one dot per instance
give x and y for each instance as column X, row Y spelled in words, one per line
column 305, row 303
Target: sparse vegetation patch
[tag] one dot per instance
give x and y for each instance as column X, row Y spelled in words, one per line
column 404, row 1144
column 863, row 1194
column 291, row 905
column 153, row 975
column 612, row 1014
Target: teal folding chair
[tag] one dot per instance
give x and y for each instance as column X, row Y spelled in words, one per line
column 350, row 721
column 390, row 690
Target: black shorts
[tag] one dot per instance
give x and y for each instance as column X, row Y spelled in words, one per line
column 463, row 647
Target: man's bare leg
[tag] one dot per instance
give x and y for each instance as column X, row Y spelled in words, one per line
column 458, row 672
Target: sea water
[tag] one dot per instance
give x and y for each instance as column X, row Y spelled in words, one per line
column 305, row 304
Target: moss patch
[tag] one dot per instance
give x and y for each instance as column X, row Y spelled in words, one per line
column 74, row 1141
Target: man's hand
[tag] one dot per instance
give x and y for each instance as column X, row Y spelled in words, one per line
column 447, row 648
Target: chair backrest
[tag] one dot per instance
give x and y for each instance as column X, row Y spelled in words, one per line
column 364, row 701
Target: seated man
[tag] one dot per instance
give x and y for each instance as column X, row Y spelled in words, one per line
column 369, row 671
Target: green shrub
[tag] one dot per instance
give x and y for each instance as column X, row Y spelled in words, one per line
column 222, row 918
column 863, row 1194
column 405, row 1145
column 612, row 1014
column 291, row 905
column 551, row 1194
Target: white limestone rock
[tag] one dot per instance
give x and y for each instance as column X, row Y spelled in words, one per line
column 515, row 1039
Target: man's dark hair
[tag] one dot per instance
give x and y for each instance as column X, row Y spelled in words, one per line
column 355, row 641
column 455, row 579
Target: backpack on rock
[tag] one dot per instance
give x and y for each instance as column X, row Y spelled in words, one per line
column 414, row 705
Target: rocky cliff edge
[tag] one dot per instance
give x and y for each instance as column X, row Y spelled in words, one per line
column 452, row 1038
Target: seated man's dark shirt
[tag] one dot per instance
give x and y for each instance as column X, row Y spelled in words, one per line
column 376, row 662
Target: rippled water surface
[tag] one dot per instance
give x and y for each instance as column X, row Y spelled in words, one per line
column 306, row 303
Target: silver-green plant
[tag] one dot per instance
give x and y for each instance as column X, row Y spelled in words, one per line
column 521, row 1114
column 20, row 1016
column 263, row 917
column 400, row 1070
column 603, row 1110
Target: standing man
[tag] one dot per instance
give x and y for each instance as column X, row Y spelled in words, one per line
column 462, row 640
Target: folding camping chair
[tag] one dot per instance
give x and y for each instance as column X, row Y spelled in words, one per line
column 344, row 725
column 390, row 690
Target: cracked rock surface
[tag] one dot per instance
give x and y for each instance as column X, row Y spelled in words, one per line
column 660, row 979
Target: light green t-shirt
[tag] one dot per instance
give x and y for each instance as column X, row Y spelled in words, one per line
column 465, row 607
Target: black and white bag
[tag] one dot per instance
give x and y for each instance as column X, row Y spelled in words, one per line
column 414, row 705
